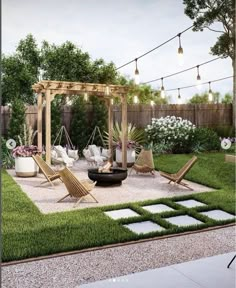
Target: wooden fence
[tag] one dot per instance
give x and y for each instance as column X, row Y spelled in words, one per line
column 202, row 115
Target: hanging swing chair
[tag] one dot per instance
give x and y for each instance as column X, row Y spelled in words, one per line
column 66, row 156
column 95, row 155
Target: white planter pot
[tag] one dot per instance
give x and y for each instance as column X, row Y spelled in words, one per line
column 130, row 157
column 25, row 167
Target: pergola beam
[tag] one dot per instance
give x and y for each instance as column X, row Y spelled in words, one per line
column 52, row 88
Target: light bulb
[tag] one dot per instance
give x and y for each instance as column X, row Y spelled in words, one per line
column 135, row 99
column 180, row 56
column 107, row 90
column 152, row 103
column 163, row 94
column 112, row 101
column 179, row 100
column 136, row 79
column 210, row 96
column 136, row 73
column 86, row 96
column 199, row 82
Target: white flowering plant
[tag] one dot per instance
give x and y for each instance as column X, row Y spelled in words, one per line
column 173, row 132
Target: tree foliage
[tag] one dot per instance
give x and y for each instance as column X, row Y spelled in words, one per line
column 79, row 124
column 17, row 121
column 205, row 13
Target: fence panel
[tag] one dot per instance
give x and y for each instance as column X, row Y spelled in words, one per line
column 202, row 115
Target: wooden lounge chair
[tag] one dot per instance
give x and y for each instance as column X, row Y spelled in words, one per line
column 178, row 177
column 47, row 171
column 76, row 188
column 144, row 163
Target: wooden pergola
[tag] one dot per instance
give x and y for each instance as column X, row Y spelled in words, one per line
column 47, row 90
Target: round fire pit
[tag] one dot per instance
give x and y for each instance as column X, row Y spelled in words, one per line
column 115, row 177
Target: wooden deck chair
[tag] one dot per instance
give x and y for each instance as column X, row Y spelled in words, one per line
column 144, row 163
column 47, row 171
column 75, row 187
column 178, row 177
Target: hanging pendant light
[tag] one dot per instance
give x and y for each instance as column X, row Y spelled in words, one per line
column 210, row 94
column 180, row 52
column 179, row 100
column 163, row 94
column 107, row 90
column 136, row 73
column 86, row 96
column 199, row 81
column 136, row 99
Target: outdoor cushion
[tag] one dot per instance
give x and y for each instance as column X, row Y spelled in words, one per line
column 105, row 152
column 95, row 151
column 62, row 153
column 73, row 154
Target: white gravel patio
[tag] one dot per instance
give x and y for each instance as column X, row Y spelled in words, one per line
column 135, row 188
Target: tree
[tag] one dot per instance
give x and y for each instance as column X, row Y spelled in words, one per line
column 17, row 121
column 227, row 99
column 79, row 124
column 204, row 98
column 20, row 72
column 56, row 121
column 207, row 12
column 99, row 118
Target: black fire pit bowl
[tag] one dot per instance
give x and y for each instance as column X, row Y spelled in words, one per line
column 115, row 177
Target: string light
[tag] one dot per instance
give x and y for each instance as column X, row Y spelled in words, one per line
column 199, row 82
column 112, row 101
column 182, row 71
column 152, row 103
column 191, row 86
column 146, row 53
column 107, row 90
column 162, row 89
column 136, row 99
column 179, row 101
column 210, row 94
column 180, row 52
column 136, row 73
column 86, row 96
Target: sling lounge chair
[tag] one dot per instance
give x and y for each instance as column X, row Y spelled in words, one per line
column 178, row 177
column 75, row 187
column 47, row 171
column 144, row 162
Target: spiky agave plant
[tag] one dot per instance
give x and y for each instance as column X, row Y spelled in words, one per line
column 135, row 138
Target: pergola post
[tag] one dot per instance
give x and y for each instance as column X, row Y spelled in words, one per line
column 48, row 127
column 39, row 122
column 124, row 131
column 110, row 130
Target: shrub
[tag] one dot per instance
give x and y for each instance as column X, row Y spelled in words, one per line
column 6, row 156
column 174, row 133
column 205, row 139
column 79, row 124
column 17, row 121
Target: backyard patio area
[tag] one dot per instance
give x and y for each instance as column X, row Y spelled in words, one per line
column 136, row 187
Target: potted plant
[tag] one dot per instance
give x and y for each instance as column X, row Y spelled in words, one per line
column 25, row 165
column 135, row 140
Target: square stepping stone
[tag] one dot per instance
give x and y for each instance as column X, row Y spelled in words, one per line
column 190, row 203
column 121, row 213
column 183, row 220
column 218, row 215
column 157, row 208
column 144, row 227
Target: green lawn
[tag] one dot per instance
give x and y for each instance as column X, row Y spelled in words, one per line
column 28, row 233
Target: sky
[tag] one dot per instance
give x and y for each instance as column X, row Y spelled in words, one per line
column 120, row 31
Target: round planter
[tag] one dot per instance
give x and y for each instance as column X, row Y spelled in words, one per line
column 130, row 157
column 25, row 167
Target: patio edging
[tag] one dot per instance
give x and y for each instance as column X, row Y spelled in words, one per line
column 61, row 254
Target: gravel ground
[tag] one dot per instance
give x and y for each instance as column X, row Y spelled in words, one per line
column 74, row 270
column 134, row 188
